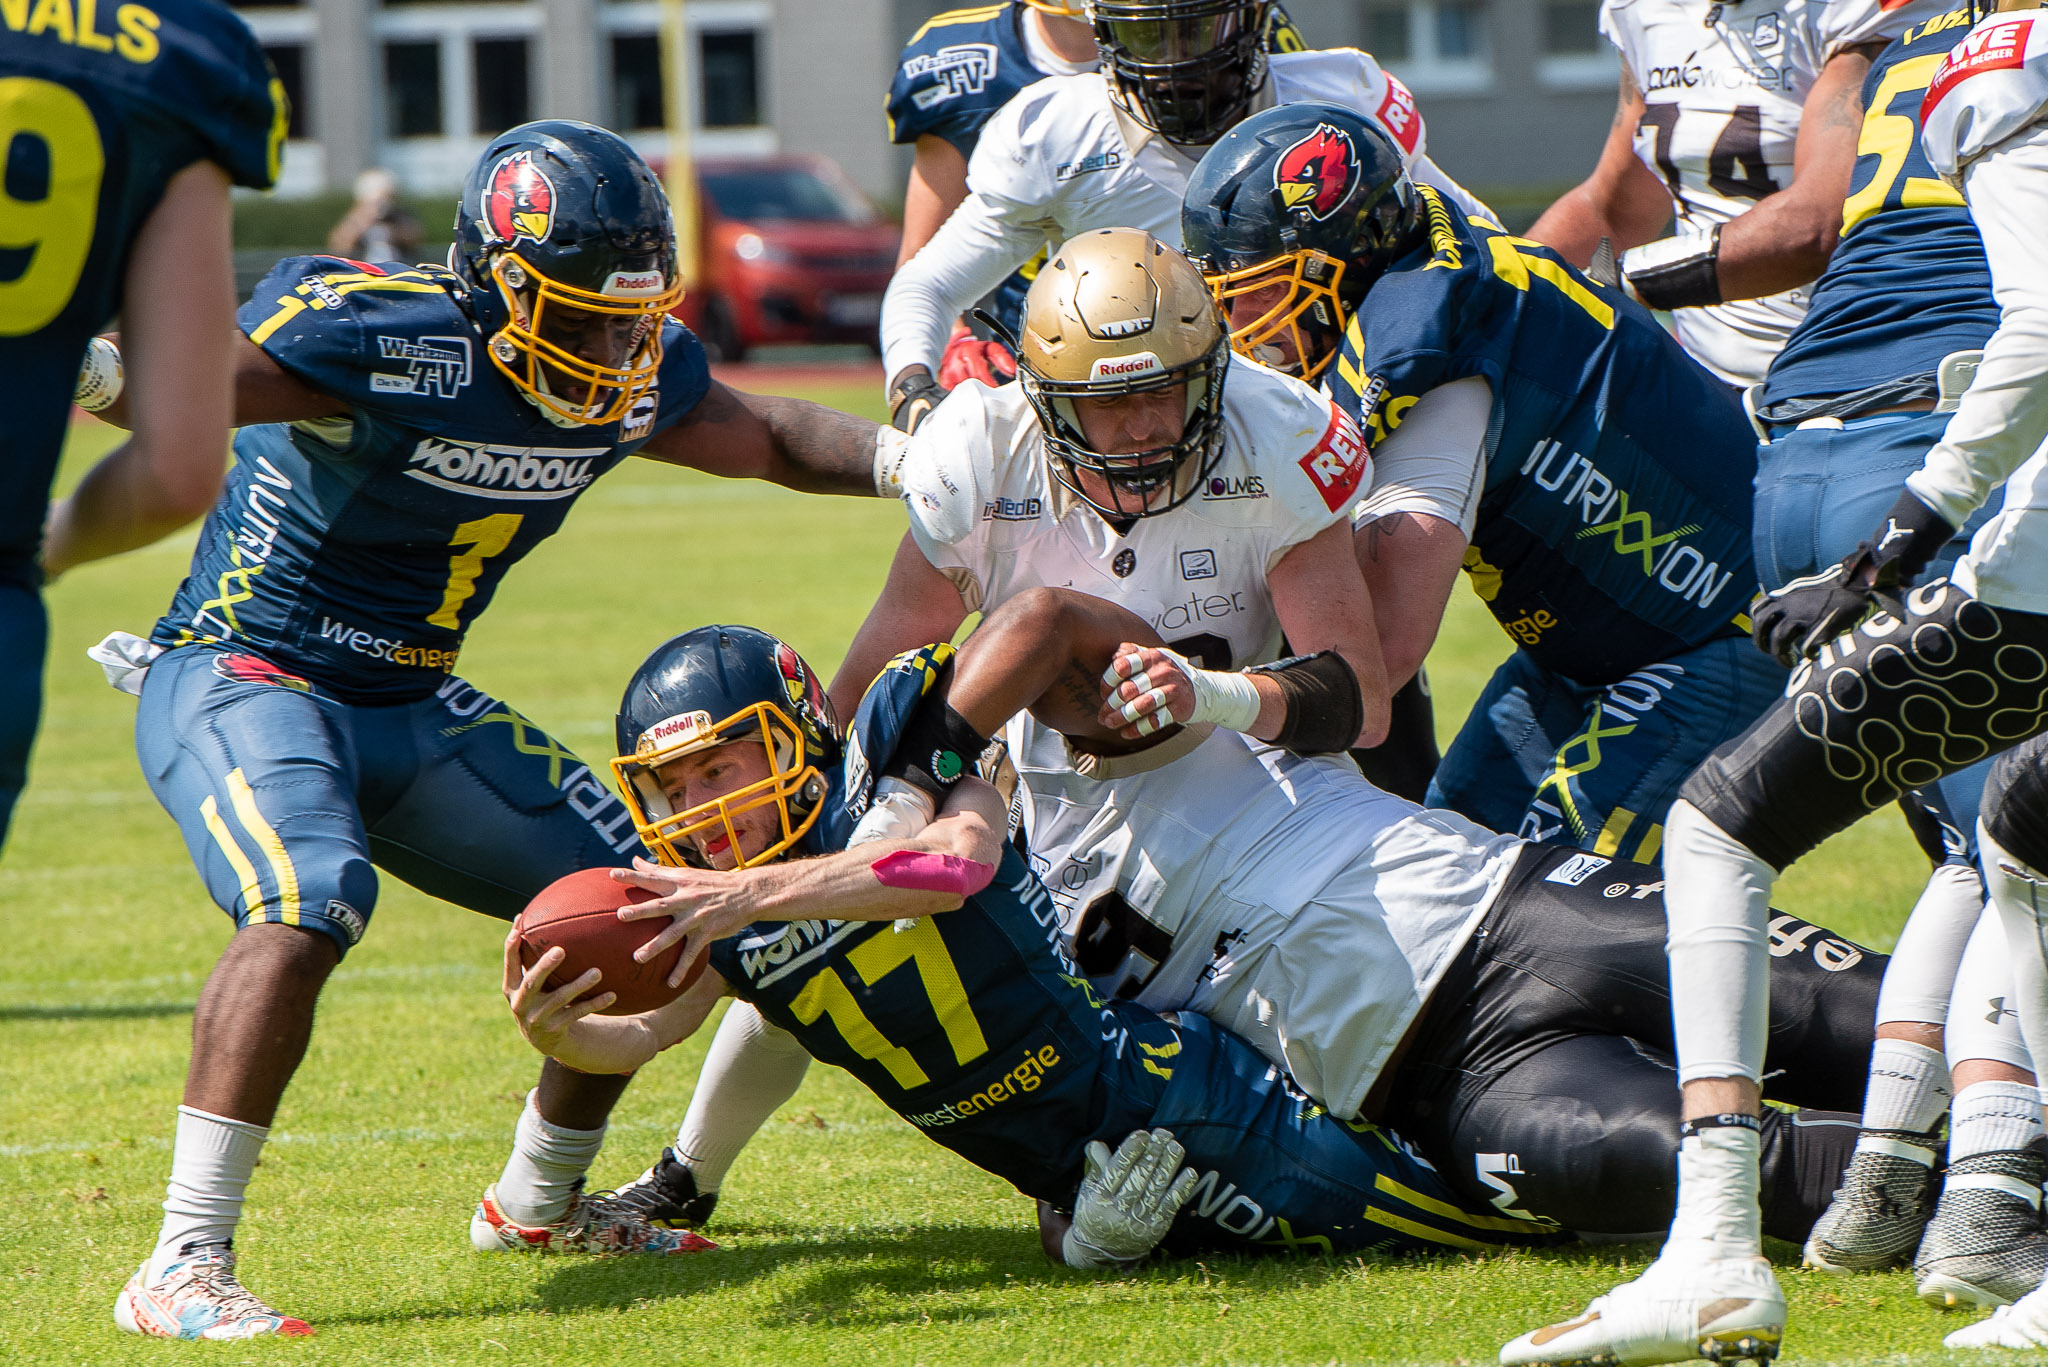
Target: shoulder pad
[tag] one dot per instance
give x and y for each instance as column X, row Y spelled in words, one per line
column 946, row 465
column 884, row 711
column 1306, row 449
column 1993, row 84
column 1846, row 23
column 213, row 77
column 1352, row 79
column 358, row 331
column 952, row 74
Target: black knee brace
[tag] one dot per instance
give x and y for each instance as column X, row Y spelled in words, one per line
column 1891, row 706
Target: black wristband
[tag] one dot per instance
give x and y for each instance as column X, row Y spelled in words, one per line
column 913, row 399
column 1324, row 709
column 937, row 749
column 1678, row 272
column 1729, row 1120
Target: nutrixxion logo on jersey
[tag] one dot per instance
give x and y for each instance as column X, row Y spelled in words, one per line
column 1314, row 174
column 519, row 200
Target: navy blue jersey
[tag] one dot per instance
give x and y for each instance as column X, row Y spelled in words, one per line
column 1613, row 530
column 356, row 551
column 99, row 107
column 1907, row 284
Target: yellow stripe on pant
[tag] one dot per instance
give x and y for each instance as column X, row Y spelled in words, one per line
column 267, row 840
column 252, row 891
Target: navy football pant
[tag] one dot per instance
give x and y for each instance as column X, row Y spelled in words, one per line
column 288, row 796
column 1821, row 492
column 1541, row 1077
column 1557, row 761
column 24, row 640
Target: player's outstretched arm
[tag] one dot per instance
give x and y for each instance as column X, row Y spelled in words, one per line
column 562, row 1024
column 180, row 313
column 792, row 442
column 1622, row 201
column 932, row 871
column 1786, row 240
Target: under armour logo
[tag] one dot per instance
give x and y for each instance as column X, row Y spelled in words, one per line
column 1998, row 1008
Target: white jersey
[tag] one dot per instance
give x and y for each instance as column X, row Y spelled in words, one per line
column 1985, row 123
column 1062, row 158
column 1283, row 897
column 988, row 513
column 1722, row 120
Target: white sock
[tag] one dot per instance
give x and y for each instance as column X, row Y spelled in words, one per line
column 1922, row 971
column 752, row 1068
column 1717, row 902
column 1720, row 1209
column 1909, row 1087
column 1990, row 1117
column 547, row 1163
column 211, row 1164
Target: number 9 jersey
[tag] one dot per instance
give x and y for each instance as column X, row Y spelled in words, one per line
column 100, row 106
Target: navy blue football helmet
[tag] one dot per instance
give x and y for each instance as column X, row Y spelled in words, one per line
column 564, row 236
column 712, row 687
column 1186, row 69
column 1314, row 197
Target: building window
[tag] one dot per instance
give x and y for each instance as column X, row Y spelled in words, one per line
column 731, row 74
column 636, row 82
column 1386, row 33
column 1571, row 27
column 502, row 98
column 1460, row 30
column 288, row 60
column 1436, row 46
column 412, row 89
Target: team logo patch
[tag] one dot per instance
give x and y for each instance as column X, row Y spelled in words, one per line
column 1997, row 47
column 519, row 200
column 1126, row 560
column 1198, row 564
column 256, row 669
column 1314, row 174
column 1337, row 463
column 639, row 419
column 1765, row 33
column 956, row 70
column 435, row 366
column 1576, row 869
column 804, row 694
column 1234, row 486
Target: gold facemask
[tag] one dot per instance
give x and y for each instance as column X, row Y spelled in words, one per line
column 1312, row 279
column 520, row 350
column 791, row 777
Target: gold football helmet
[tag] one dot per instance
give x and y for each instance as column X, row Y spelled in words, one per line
column 1115, row 312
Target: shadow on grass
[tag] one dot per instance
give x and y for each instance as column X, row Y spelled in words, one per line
column 82, row 1012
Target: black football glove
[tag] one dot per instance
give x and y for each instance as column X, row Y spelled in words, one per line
column 1796, row 620
column 916, row 394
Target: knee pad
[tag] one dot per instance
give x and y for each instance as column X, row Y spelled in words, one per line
column 1891, row 706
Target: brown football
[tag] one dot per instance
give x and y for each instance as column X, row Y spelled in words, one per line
column 579, row 914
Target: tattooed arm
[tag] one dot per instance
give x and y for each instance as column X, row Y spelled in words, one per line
column 791, row 442
column 1622, row 200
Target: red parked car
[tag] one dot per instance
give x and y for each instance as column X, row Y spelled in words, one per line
column 792, row 252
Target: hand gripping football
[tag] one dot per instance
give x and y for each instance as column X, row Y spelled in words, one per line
column 579, row 914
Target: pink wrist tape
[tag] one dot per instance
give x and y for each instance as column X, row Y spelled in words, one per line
column 920, row 872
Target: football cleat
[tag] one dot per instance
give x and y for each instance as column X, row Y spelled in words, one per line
column 594, row 1223
column 1985, row 1244
column 1882, row 1206
column 197, row 1297
column 2023, row 1324
column 1722, row 1310
column 666, row 1195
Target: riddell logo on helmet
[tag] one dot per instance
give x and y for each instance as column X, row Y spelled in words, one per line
column 670, row 732
column 629, row 283
column 1314, row 174
column 1122, row 367
column 519, row 200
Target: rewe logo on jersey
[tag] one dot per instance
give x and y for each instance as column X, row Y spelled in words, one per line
column 961, row 69
column 1994, row 47
column 1337, row 463
column 522, row 472
column 1314, row 174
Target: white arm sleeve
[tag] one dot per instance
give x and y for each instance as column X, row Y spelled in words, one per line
column 2004, row 414
column 1429, row 173
column 1433, row 462
column 974, row 249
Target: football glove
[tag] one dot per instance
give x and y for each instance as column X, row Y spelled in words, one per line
column 1128, row 1200
column 913, row 398
column 1795, row 621
column 969, row 357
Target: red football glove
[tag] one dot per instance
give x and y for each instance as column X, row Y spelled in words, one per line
column 970, row 358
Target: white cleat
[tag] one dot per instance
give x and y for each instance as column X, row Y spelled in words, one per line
column 1680, row 1310
column 2023, row 1324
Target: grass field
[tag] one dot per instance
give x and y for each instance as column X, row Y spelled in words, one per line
column 847, row 1237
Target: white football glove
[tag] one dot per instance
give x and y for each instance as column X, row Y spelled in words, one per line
column 1128, row 1200
column 1225, row 697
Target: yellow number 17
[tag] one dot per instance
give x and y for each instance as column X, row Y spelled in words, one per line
column 826, row 994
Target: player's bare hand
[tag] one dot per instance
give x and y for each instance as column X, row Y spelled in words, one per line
column 1146, row 690
column 545, row 1016
column 703, row 905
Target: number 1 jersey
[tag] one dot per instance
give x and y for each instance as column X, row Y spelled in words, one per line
column 358, row 549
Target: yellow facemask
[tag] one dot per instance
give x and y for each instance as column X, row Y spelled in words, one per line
column 792, row 777
column 520, row 349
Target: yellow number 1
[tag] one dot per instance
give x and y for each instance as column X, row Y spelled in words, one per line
column 57, row 227
column 486, row 537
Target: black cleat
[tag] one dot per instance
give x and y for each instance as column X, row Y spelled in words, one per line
column 666, row 1195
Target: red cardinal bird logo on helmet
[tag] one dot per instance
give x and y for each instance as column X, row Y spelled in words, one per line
column 519, row 201
column 1315, row 172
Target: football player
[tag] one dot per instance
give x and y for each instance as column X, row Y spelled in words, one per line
column 1862, row 389
column 407, row 435
column 927, row 965
column 1073, row 153
column 956, row 71
column 1537, row 429
column 1742, row 118
column 1874, row 711
column 1399, row 964
column 1138, row 458
column 125, row 131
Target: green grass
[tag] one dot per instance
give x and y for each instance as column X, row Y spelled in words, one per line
column 848, row 1238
